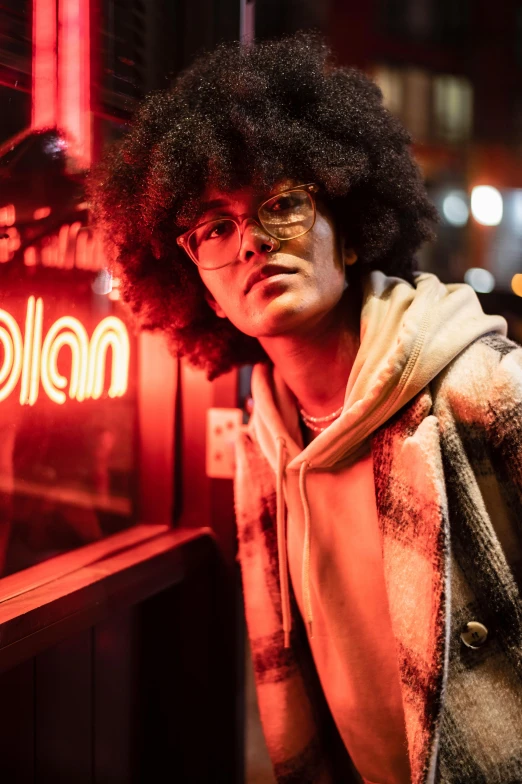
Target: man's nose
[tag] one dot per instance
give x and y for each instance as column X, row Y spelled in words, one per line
column 256, row 241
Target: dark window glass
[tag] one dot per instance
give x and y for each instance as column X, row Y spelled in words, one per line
column 435, row 21
column 15, row 43
column 68, row 405
column 15, row 67
column 139, row 51
column 518, row 36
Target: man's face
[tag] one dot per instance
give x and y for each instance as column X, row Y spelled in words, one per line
column 310, row 279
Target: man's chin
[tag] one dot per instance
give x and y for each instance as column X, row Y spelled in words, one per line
column 280, row 322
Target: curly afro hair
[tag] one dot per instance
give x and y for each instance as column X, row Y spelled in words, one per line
column 253, row 115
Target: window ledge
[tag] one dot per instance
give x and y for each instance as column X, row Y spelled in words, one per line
column 45, row 603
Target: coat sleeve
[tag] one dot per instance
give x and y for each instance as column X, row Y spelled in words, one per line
column 503, row 421
column 478, row 403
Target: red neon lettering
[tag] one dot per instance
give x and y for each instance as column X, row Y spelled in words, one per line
column 41, row 212
column 7, row 215
column 74, row 246
column 9, row 244
column 34, row 360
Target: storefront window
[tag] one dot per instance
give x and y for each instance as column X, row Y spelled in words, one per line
column 68, row 411
column 434, row 107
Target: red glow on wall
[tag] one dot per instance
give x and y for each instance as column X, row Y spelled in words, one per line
column 74, row 78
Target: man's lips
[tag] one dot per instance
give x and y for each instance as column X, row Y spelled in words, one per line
column 266, row 271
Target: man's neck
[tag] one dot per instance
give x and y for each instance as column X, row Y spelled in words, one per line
column 316, row 366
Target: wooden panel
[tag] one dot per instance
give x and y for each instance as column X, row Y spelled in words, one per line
column 179, row 710
column 64, row 712
column 17, row 724
column 157, row 678
column 199, row 713
column 114, row 686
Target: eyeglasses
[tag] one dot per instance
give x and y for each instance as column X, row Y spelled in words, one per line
column 285, row 216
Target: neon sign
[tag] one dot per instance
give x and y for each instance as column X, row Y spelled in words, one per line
column 73, row 247
column 33, row 359
column 61, row 72
column 44, row 96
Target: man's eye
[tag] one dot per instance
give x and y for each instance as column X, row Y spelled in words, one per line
column 218, row 230
column 282, row 204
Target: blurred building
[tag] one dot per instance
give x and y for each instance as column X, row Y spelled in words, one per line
column 451, row 71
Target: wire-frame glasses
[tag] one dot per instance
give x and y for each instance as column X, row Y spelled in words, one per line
column 287, row 215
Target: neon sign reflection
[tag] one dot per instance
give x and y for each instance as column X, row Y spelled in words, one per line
column 33, row 358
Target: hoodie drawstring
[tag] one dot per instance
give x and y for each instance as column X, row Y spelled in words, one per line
column 282, row 544
column 281, row 541
column 307, row 602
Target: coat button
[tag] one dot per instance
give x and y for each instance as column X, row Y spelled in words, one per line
column 474, row 635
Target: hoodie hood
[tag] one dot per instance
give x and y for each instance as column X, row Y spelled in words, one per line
column 408, row 335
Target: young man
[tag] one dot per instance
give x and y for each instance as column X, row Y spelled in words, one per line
column 267, row 211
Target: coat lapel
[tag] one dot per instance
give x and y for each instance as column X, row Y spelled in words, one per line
column 413, row 519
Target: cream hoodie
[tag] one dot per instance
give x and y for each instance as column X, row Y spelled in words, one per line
column 326, row 502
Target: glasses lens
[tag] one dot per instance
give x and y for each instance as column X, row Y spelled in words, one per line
column 215, row 244
column 288, row 215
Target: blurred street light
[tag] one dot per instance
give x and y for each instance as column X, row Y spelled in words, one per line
column 480, row 279
column 486, row 205
column 455, row 208
column 516, row 284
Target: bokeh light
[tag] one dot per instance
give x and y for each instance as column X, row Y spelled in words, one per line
column 102, row 284
column 486, row 205
column 516, row 284
column 455, row 208
column 480, row 279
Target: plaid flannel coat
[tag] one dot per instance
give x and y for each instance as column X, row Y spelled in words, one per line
column 448, row 481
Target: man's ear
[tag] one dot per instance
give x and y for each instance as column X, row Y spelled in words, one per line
column 218, row 310
column 349, row 256
column 348, row 253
